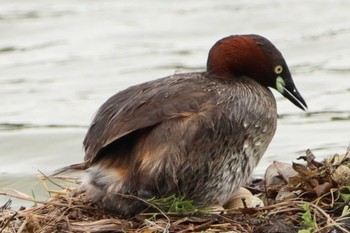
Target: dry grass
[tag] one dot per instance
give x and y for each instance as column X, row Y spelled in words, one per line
column 69, row 211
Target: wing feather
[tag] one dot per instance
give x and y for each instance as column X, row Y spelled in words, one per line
column 143, row 106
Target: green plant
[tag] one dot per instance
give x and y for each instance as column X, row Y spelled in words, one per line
column 344, row 193
column 174, row 204
column 307, row 219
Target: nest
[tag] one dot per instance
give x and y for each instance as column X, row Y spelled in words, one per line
column 300, row 197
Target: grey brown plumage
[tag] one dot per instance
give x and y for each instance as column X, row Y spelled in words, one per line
column 198, row 135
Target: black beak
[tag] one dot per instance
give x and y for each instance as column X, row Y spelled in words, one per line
column 291, row 93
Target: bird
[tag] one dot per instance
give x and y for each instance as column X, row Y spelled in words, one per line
column 197, row 135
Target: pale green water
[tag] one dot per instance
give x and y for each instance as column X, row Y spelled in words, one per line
column 60, row 60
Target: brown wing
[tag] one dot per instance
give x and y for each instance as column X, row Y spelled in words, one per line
column 142, row 106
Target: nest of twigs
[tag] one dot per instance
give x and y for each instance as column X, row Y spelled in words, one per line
column 305, row 197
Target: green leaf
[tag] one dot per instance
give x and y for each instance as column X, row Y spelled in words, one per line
column 345, row 196
column 175, row 204
column 307, row 218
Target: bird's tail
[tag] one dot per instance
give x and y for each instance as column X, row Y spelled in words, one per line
column 70, row 169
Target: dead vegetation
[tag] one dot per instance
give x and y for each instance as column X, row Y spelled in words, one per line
column 304, row 197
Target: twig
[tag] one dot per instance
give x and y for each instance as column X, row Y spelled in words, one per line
column 232, row 222
column 345, row 203
column 152, row 205
column 46, row 202
column 203, row 226
column 8, row 221
column 49, row 179
column 7, row 205
column 280, row 211
column 289, row 202
column 68, row 224
column 22, row 226
column 329, row 219
column 54, row 223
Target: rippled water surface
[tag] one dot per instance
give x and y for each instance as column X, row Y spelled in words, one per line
column 60, row 60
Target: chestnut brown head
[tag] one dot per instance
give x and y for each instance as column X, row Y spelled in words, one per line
column 255, row 57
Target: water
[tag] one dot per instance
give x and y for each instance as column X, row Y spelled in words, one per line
column 60, row 60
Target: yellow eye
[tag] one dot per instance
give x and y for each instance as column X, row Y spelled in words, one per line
column 278, row 69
